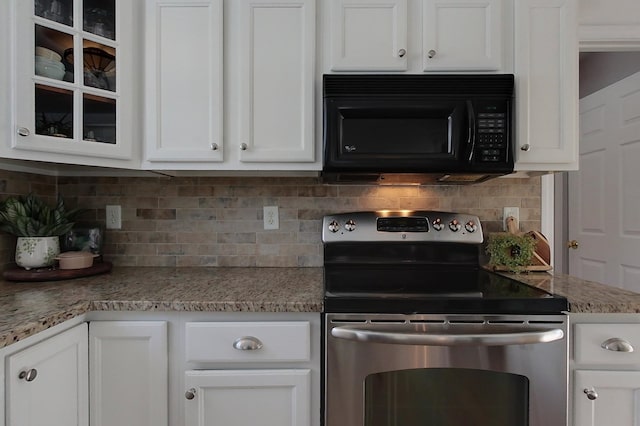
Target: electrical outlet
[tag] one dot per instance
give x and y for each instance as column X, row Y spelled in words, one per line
column 114, row 217
column 510, row 211
column 271, row 220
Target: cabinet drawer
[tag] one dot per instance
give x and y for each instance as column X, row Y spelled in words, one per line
column 589, row 340
column 247, row 341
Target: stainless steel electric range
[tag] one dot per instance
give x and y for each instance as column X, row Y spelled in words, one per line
column 415, row 329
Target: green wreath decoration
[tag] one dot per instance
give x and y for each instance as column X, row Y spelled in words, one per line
column 514, row 252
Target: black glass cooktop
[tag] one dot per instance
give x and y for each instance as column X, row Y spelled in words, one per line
column 413, row 289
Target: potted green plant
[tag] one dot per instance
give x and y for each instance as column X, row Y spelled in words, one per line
column 37, row 226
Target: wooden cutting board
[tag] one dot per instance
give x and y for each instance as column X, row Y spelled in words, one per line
column 541, row 260
column 50, row 274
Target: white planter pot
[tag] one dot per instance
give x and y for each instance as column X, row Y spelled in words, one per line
column 37, row 252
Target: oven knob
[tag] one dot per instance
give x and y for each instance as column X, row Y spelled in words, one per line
column 350, row 225
column 454, row 225
column 334, row 226
column 438, row 225
column 471, row 226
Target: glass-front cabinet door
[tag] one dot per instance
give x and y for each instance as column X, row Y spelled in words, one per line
column 71, row 93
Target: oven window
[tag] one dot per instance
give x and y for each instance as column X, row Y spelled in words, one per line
column 446, row 397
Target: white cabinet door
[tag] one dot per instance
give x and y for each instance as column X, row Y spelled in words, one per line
column 277, row 62
column 616, row 393
column 129, row 373
column 47, row 383
column 609, row 25
column 73, row 82
column 546, row 70
column 462, row 35
column 183, row 80
column 247, row 398
column 368, row 35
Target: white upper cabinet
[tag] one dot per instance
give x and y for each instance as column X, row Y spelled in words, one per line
column 232, row 89
column 463, row 35
column 546, row 71
column 609, row 25
column 417, row 36
column 183, row 70
column 368, row 35
column 73, row 95
column 277, row 63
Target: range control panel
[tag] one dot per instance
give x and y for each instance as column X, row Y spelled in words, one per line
column 402, row 225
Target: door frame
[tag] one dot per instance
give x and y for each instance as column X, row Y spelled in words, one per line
column 555, row 188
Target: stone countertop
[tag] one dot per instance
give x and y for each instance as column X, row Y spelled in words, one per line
column 30, row 307
column 583, row 296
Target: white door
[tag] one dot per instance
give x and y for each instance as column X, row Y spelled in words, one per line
column 47, row 383
column 248, row 398
column 183, row 81
column 613, row 398
column 447, row 47
column 546, row 72
column 368, row 35
column 129, row 373
column 604, row 195
column 277, row 81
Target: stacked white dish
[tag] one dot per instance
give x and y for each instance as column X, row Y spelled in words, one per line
column 48, row 63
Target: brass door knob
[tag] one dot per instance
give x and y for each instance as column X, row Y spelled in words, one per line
column 573, row 244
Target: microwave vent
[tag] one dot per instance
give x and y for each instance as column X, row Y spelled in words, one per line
column 336, row 85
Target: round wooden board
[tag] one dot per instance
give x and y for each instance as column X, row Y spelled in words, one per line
column 48, row 274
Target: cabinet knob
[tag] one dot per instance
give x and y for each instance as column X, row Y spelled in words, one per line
column 29, row 375
column 591, row 394
column 247, row 343
column 243, row 146
column 617, row 344
column 573, row 244
column 402, row 52
column 23, row 131
column 526, row 147
column 431, row 53
column 190, row 394
column 214, row 146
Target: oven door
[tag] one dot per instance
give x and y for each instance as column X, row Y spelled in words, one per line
column 399, row 370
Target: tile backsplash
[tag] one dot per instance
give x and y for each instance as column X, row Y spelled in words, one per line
column 218, row 221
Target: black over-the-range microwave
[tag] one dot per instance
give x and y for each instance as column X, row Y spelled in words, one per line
column 417, row 128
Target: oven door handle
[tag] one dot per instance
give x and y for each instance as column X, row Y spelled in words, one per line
column 444, row 339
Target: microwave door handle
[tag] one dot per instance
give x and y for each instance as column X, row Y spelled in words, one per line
column 444, row 339
column 471, row 141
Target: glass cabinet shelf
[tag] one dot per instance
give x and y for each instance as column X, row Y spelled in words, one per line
column 74, row 64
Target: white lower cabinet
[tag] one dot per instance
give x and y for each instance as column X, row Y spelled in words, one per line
column 47, row 383
column 605, row 366
column 250, row 373
column 169, row 368
column 604, row 398
column 128, row 373
column 248, row 397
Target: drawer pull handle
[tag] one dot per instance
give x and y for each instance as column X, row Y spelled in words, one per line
column 617, row 344
column 592, row 395
column 190, row 394
column 29, row 375
column 247, row 343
